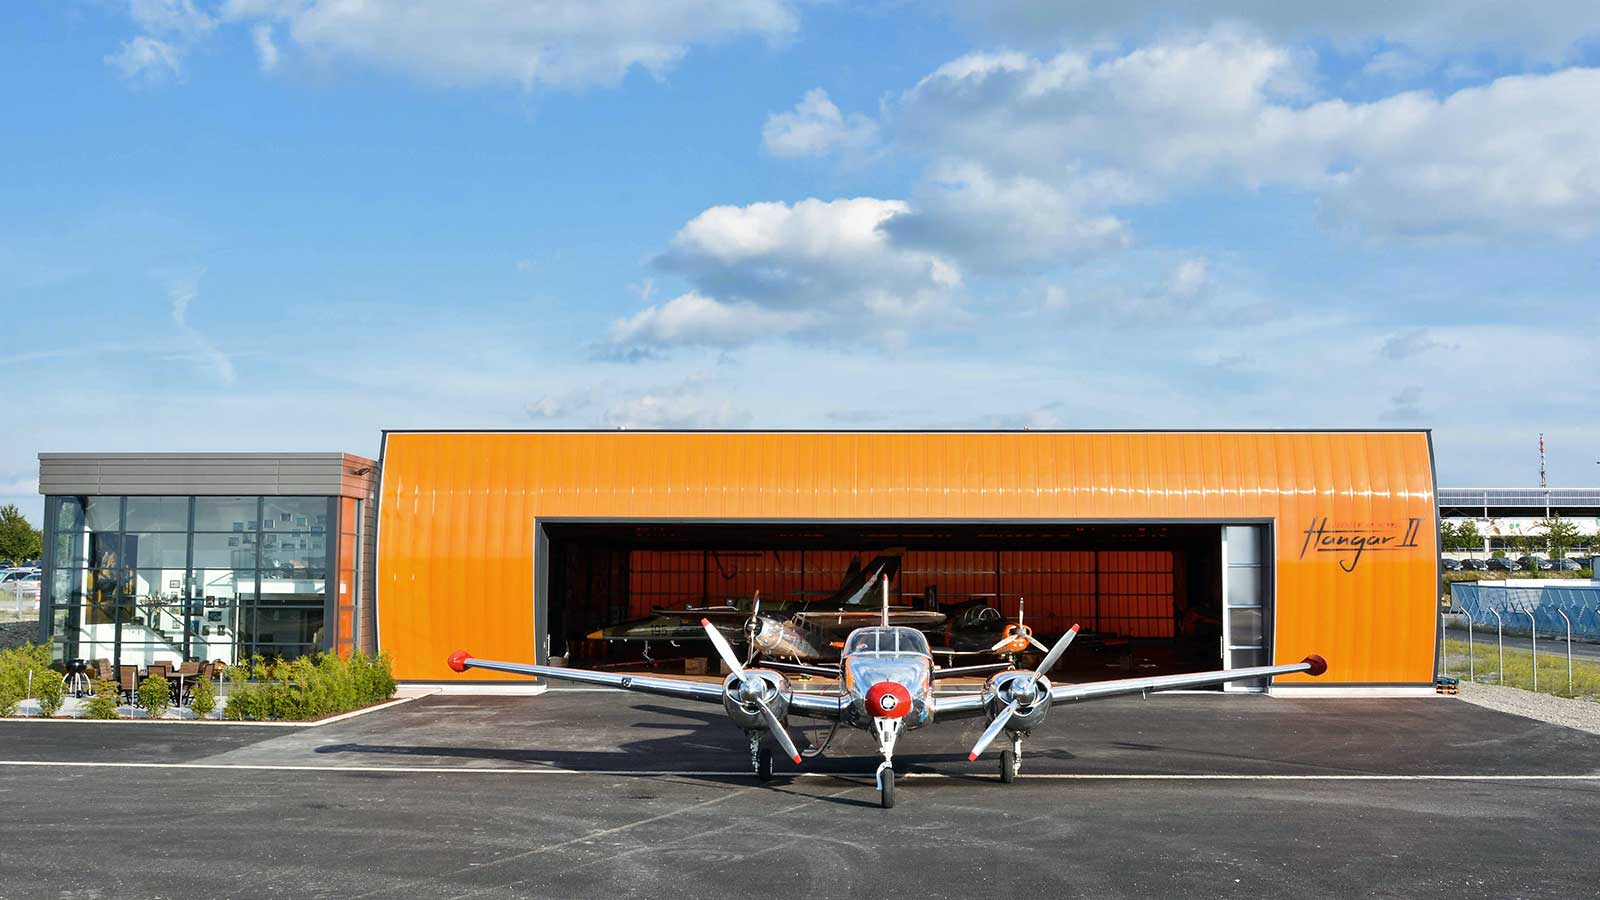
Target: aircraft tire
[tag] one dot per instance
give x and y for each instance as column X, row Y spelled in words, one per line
column 764, row 764
column 886, row 793
column 1008, row 767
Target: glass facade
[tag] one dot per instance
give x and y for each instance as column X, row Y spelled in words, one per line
column 136, row 580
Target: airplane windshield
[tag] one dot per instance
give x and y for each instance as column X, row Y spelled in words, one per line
column 886, row 640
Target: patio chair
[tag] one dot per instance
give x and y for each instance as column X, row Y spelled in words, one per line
column 103, row 670
column 159, row 668
column 189, row 670
column 128, row 682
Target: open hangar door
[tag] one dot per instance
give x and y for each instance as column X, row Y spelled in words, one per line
column 1149, row 599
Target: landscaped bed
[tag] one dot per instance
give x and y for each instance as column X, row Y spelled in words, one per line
column 300, row 690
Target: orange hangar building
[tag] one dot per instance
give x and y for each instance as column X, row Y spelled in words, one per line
column 1173, row 551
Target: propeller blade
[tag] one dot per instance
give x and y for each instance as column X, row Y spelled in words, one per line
column 992, row 732
column 1038, row 644
column 1056, row 651
column 1002, row 642
column 723, row 649
column 752, row 627
column 779, row 733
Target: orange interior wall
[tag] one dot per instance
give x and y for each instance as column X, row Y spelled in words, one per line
column 1135, row 587
column 457, row 514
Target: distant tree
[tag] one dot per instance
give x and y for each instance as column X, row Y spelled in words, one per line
column 1559, row 535
column 1447, row 536
column 18, row 539
column 1467, row 536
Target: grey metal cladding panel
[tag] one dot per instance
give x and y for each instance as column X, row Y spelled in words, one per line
column 273, row 474
column 257, row 470
column 178, row 457
column 70, row 468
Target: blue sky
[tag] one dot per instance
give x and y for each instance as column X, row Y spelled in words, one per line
column 288, row 224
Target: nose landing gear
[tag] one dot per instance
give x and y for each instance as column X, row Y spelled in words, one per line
column 1011, row 761
column 760, row 757
column 886, row 731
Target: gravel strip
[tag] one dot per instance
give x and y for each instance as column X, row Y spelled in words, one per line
column 1584, row 715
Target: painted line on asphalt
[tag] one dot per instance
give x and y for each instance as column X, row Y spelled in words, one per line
column 662, row 773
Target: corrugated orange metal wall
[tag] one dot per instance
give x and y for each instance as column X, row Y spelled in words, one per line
column 457, row 514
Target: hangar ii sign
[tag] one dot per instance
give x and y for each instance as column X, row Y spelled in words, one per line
column 1351, row 542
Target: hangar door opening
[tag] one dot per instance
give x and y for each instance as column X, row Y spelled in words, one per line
column 1149, row 599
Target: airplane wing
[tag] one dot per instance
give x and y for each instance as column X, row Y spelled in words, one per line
column 825, row 671
column 720, row 616
column 964, row 705
column 966, row 671
column 813, row 706
column 911, row 618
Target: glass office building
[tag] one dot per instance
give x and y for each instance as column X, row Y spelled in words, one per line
column 142, row 578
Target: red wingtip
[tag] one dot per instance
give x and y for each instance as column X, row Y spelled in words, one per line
column 972, row 757
column 1318, row 665
column 458, row 661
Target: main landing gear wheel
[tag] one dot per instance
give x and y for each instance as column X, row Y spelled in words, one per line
column 886, row 788
column 1008, row 766
column 764, row 764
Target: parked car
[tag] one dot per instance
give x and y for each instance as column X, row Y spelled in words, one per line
column 1450, row 565
column 1500, row 564
column 1567, row 565
column 1474, row 565
column 20, row 581
column 1535, row 563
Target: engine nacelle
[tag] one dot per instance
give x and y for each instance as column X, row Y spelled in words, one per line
column 739, row 697
column 1030, row 692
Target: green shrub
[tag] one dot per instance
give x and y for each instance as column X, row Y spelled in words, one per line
column 204, row 698
column 155, row 695
column 311, row 687
column 103, row 702
column 245, row 700
column 25, row 672
column 374, row 681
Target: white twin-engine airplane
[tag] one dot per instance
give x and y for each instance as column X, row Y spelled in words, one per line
column 886, row 688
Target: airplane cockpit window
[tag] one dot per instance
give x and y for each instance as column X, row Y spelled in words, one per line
column 887, row 640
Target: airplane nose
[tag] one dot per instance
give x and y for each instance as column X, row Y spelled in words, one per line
column 888, row 700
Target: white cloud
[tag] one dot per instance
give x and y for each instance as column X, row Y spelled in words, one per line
column 145, row 58
column 19, row 486
column 201, row 347
column 674, row 409
column 1405, row 407
column 180, row 18
column 1414, row 342
column 266, row 48
column 549, row 42
column 1517, row 155
column 1004, row 224
column 1187, row 295
column 816, row 127
column 1543, row 28
column 771, row 269
column 696, row 319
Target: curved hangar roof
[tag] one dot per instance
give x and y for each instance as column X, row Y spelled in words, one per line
column 1353, row 515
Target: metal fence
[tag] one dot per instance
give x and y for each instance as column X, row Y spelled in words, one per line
column 1547, row 610
column 1552, row 616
